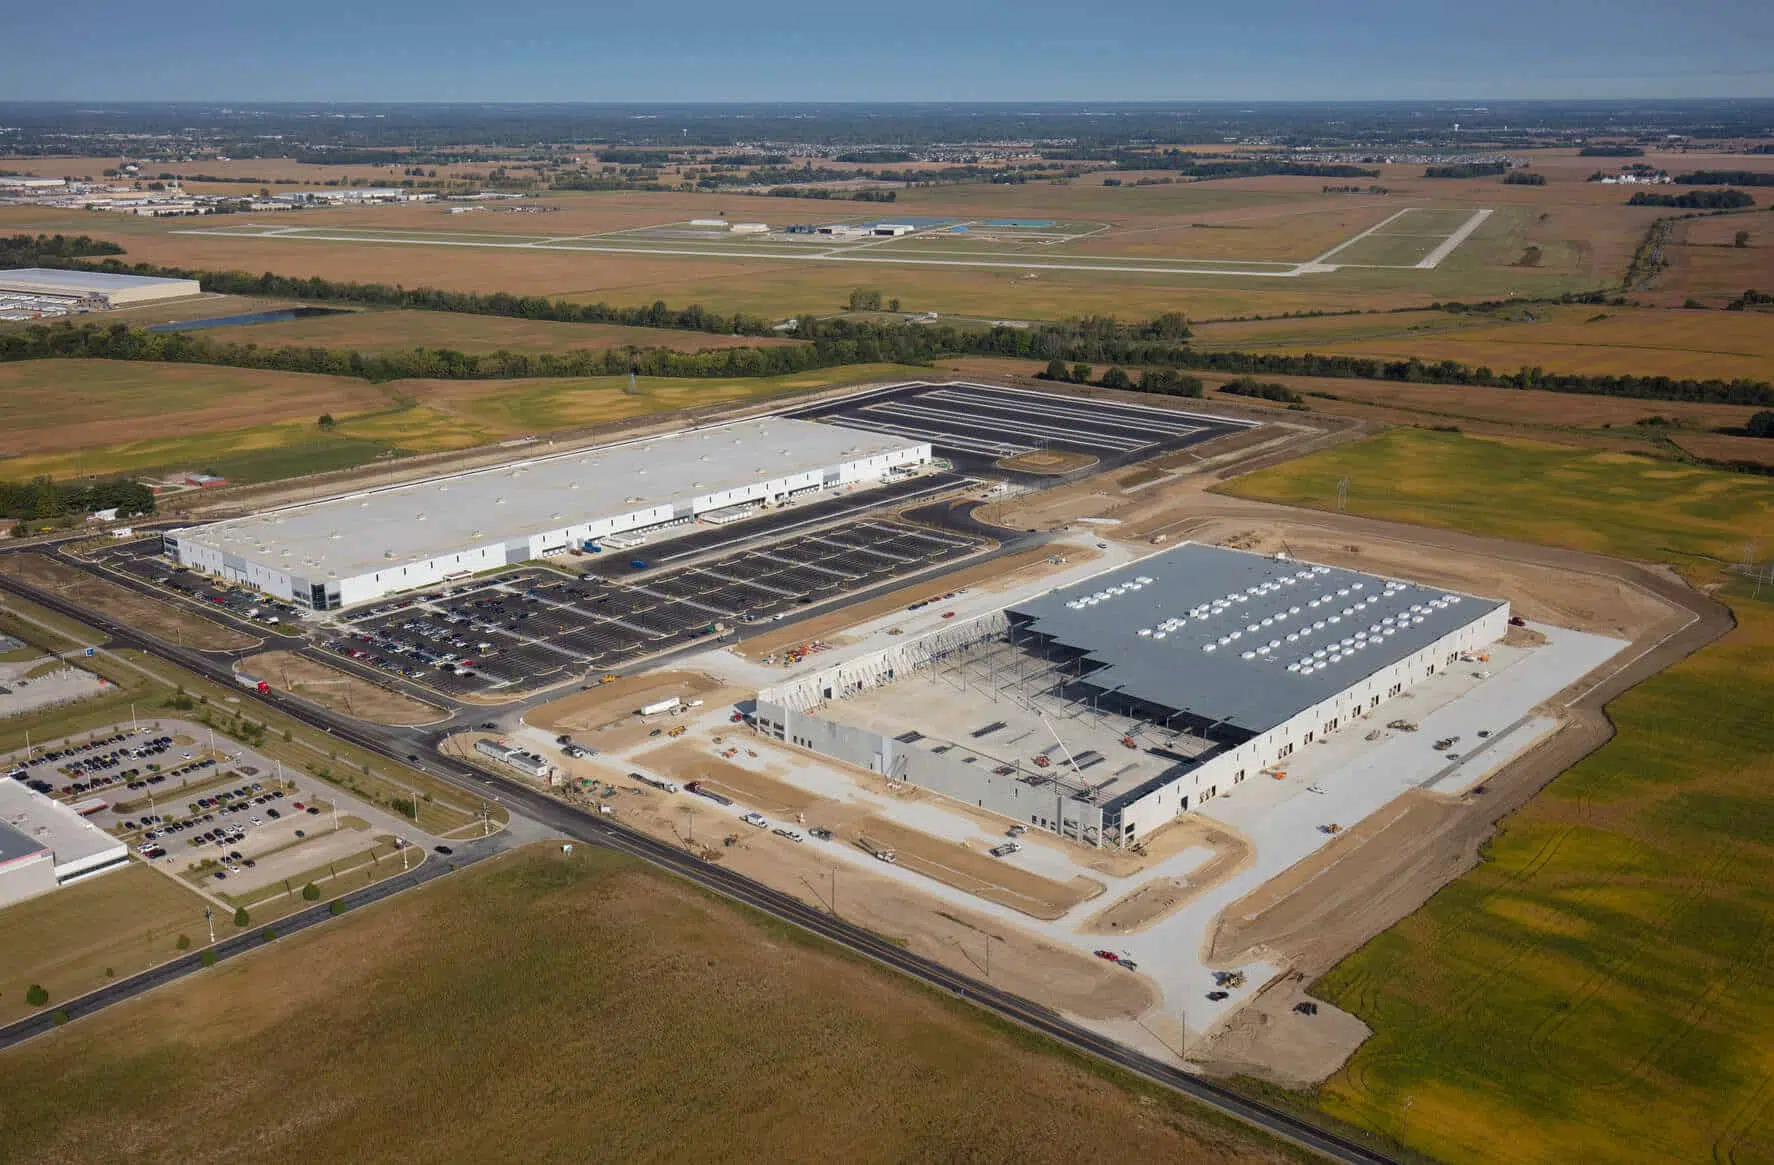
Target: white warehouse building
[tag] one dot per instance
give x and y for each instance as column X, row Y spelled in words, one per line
column 358, row 548
column 100, row 287
column 1188, row 671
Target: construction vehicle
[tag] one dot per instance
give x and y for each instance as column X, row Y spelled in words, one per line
column 678, row 731
column 1232, row 979
column 697, row 788
column 1129, row 742
column 1333, row 828
column 1042, row 762
column 821, row 833
column 606, row 678
column 877, row 851
column 1402, row 725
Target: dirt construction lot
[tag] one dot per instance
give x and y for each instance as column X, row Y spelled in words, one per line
column 340, row 691
column 151, row 615
column 619, row 700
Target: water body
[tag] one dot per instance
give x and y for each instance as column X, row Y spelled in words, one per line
column 275, row 316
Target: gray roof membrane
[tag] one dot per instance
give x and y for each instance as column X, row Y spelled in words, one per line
column 1242, row 639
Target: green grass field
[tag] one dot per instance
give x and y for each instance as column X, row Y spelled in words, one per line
column 547, row 1008
column 1601, row 988
column 66, row 940
column 1611, row 503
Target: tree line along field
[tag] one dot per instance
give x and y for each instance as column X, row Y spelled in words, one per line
column 1601, row 987
column 251, row 425
column 1579, row 339
column 565, row 1009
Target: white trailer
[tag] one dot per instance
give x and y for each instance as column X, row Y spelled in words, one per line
column 661, row 706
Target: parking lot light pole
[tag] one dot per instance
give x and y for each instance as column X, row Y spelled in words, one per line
column 209, row 916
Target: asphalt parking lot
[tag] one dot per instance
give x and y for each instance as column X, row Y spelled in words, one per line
column 142, row 560
column 975, row 425
column 175, row 801
column 534, row 627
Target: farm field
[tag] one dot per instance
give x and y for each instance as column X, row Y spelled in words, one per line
column 81, row 937
column 384, row 331
column 1610, row 503
column 1584, row 340
column 219, row 427
column 657, row 1053
column 1601, row 987
column 56, row 406
column 540, row 405
column 1705, row 265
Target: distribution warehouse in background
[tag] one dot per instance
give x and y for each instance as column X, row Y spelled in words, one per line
column 1104, row 709
column 94, row 288
column 45, row 844
column 361, row 547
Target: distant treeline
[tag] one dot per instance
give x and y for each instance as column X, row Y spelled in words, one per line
column 1726, row 178
column 1694, row 200
column 1208, row 166
column 1466, row 170
column 826, row 192
column 875, row 157
column 1158, row 344
column 1523, row 178
column 1611, row 152
column 47, row 250
column 41, row 498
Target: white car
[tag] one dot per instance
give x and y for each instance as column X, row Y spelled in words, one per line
column 256, row 820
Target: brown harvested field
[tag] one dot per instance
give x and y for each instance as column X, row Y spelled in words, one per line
column 382, row 331
column 1519, row 408
column 618, row 701
column 975, row 871
column 340, row 691
column 677, row 1026
column 83, row 936
column 1723, row 447
column 1010, row 570
column 171, row 623
column 52, row 406
column 1705, row 265
column 1581, row 340
column 1162, row 897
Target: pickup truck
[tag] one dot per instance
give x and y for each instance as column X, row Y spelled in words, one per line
column 756, row 819
column 1005, row 850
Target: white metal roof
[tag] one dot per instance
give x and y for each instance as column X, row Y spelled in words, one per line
column 67, row 282
column 367, row 532
column 38, row 820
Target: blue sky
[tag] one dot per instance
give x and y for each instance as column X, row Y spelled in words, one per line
column 941, row 50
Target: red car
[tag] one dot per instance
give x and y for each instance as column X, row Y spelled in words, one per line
column 1109, row 955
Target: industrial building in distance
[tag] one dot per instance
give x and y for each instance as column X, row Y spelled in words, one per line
column 29, row 292
column 1104, row 709
column 364, row 546
column 45, row 844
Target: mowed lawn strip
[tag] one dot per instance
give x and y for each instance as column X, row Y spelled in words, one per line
column 122, row 922
column 1601, row 988
column 554, row 1008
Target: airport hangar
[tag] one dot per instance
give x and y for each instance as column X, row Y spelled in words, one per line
column 1196, row 667
column 361, row 547
column 98, row 287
